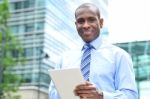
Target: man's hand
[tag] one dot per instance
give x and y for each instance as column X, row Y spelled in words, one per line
column 87, row 91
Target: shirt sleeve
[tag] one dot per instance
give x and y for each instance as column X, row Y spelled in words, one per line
column 124, row 80
column 53, row 94
column 122, row 94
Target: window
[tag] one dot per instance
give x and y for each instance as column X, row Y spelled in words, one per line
column 16, row 5
column 44, row 78
column 28, row 52
column 35, row 78
column 28, row 3
column 39, row 26
column 40, row 3
column 14, row 29
column 38, row 51
column 27, row 78
column 29, row 27
column 15, row 53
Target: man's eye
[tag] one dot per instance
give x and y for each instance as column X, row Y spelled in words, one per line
column 91, row 19
column 80, row 21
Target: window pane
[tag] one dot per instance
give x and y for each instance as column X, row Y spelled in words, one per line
column 40, row 3
column 28, row 3
column 15, row 53
column 39, row 26
column 27, row 78
column 14, row 29
column 44, row 78
column 28, row 52
column 16, row 5
column 38, row 51
column 29, row 27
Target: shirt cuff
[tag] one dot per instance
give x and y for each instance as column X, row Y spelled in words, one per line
column 107, row 95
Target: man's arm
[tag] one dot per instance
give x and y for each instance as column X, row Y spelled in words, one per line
column 120, row 94
column 53, row 94
column 124, row 80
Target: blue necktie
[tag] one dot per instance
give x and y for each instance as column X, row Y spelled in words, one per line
column 85, row 62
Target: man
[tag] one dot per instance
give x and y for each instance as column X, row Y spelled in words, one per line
column 110, row 74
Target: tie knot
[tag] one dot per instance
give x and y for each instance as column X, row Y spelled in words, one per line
column 87, row 46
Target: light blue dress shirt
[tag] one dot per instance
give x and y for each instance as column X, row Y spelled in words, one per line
column 111, row 70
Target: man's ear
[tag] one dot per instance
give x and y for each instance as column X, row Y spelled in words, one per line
column 75, row 23
column 101, row 22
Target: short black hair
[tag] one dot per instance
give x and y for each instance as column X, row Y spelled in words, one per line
column 88, row 5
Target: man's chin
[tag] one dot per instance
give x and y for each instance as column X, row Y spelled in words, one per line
column 87, row 40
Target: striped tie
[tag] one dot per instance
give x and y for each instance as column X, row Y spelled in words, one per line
column 85, row 62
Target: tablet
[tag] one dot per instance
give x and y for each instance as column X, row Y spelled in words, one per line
column 65, row 81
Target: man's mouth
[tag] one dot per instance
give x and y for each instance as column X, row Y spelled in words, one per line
column 87, row 32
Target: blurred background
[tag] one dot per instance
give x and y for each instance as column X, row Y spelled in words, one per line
column 33, row 33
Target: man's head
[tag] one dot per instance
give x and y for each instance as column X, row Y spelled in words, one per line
column 88, row 22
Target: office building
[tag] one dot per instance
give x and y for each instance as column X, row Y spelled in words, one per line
column 140, row 53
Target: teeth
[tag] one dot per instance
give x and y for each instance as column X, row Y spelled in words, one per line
column 87, row 32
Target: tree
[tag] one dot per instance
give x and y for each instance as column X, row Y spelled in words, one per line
column 10, row 54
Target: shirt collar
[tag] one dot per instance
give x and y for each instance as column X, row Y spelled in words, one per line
column 95, row 43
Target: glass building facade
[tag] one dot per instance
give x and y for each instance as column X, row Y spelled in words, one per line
column 45, row 29
column 140, row 53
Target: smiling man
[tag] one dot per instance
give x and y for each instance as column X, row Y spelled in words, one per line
column 107, row 69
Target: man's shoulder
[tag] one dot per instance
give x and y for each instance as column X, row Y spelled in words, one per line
column 112, row 48
column 120, row 51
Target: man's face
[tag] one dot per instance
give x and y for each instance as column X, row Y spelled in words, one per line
column 88, row 23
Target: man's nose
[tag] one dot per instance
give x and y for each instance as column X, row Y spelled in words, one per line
column 86, row 24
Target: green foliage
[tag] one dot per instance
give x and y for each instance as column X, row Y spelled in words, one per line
column 8, row 44
column 4, row 15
